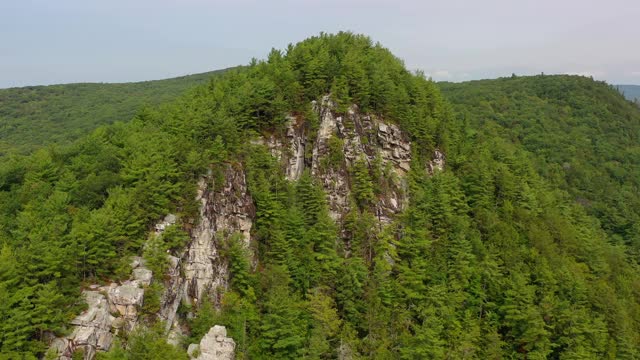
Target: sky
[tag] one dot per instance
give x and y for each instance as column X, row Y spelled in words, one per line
column 48, row 42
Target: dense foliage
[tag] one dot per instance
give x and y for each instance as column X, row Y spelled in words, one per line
column 585, row 138
column 493, row 258
column 34, row 116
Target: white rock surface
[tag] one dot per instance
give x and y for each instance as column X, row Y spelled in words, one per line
column 437, row 162
column 126, row 299
column 142, row 276
column 215, row 345
column 95, row 327
column 290, row 152
column 297, row 141
column 92, row 330
column 225, row 209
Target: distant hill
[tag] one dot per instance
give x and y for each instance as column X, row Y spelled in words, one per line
column 35, row 116
column 631, row 92
column 584, row 134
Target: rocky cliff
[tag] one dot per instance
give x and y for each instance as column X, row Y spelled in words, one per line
column 200, row 271
column 340, row 141
column 110, row 310
column 225, row 209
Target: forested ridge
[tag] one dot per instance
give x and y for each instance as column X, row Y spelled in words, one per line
column 524, row 247
column 585, row 139
column 35, row 116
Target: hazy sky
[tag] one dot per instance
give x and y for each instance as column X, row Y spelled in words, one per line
column 61, row 41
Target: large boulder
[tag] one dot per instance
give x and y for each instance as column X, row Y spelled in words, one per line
column 215, row 345
column 92, row 330
column 126, row 299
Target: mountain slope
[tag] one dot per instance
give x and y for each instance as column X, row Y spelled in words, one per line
column 585, row 136
column 323, row 203
column 35, row 116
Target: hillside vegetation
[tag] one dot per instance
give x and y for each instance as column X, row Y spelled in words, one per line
column 35, row 116
column 514, row 251
column 584, row 136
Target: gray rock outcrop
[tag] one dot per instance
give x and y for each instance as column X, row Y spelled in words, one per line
column 226, row 208
column 125, row 299
column 95, row 328
column 437, row 162
column 92, row 330
column 363, row 137
column 173, row 294
column 290, row 150
column 168, row 220
column 215, row 345
column 224, row 211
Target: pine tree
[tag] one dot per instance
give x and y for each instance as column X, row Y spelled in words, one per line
column 283, row 325
column 239, row 265
column 340, row 94
column 362, row 187
column 325, row 326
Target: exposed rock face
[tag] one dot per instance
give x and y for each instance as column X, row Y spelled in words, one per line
column 296, row 139
column 95, row 327
column 142, row 276
column 363, row 137
column 174, row 285
column 291, row 152
column 437, row 162
column 395, row 148
column 225, row 209
column 334, row 180
column 125, row 299
column 215, row 345
column 173, row 294
column 92, row 329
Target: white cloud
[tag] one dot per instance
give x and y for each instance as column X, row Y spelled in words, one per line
column 635, row 73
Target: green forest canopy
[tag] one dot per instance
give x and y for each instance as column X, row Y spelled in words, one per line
column 36, row 116
column 513, row 251
column 585, row 139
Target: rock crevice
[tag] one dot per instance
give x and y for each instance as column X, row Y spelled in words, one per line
column 225, row 209
column 364, row 137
